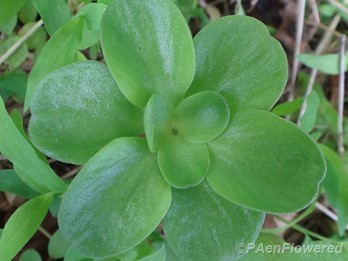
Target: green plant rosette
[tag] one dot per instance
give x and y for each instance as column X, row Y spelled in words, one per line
column 175, row 130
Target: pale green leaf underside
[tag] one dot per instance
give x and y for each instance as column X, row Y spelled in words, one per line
column 183, row 164
column 20, row 228
column 78, row 109
column 201, row 225
column 158, row 117
column 29, row 167
column 148, row 48
column 202, row 117
column 236, row 56
column 116, row 201
column 266, row 163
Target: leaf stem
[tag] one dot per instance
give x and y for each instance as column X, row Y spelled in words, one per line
column 341, row 94
column 45, row 232
column 306, row 231
column 20, row 41
column 278, row 230
column 299, row 33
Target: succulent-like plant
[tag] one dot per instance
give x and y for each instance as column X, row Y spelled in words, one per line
column 174, row 129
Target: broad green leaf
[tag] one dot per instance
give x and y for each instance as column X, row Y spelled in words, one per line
column 309, row 118
column 201, row 225
column 10, row 8
column 260, row 155
column 10, row 182
column 158, row 118
column 170, row 255
column 20, row 228
column 119, row 197
column 36, row 39
column 327, row 63
column 287, row 108
column 28, row 13
column 54, row 13
column 270, row 247
column 148, row 48
column 183, row 164
column 58, row 245
column 92, row 13
column 336, row 186
column 30, row 255
column 107, row 2
column 65, row 41
column 202, row 117
column 18, row 56
column 28, row 166
column 159, row 255
column 78, row 109
column 237, row 57
column 9, row 25
column 72, row 254
column 15, row 83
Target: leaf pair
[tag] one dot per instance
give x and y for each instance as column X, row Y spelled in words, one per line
column 179, row 135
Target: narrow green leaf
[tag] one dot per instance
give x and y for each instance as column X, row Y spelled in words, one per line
column 10, row 8
column 58, row 245
column 54, row 13
column 309, row 118
column 235, row 55
column 19, row 228
column 287, row 108
column 9, row 25
column 119, row 197
column 65, row 41
column 29, row 167
column 336, row 186
column 148, row 48
column 201, row 225
column 260, row 155
column 202, row 117
column 158, row 118
column 30, row 255
column 159, row 255
column 78, row 109
column 10, row 182
column 327, row 63
column 183, row 164
column 92, row 14
column 14, row 82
